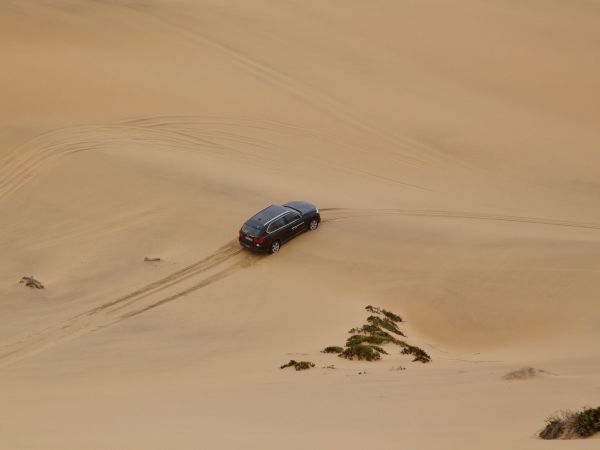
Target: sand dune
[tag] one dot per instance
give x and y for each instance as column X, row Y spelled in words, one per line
column 452, row 149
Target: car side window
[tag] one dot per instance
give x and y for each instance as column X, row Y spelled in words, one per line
column 276, row 224
column 291, row 217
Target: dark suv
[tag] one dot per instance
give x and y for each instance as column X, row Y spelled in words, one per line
column 267, row 230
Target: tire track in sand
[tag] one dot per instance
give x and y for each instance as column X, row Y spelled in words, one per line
column 134, row 303
column 333, row 214
column 152, row 296
column 240, row 139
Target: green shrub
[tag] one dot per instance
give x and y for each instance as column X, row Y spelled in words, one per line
column 376, row 339
column 366, row 340
column 367, row 352
column 373, row 309
column 555, row 427
column 419, row 354
column 375, row 325
column 365, row 329
column 587, row 422
column 332, row 349
column 385, row 323
column 390, row 315
column 298, row 365
column 569, row 424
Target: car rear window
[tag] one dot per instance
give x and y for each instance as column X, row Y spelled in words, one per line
column 247, row 229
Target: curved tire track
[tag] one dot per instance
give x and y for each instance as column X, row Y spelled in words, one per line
column 223, row 137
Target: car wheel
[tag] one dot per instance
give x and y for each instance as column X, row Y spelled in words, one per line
column 275, row 246
column 313, row 224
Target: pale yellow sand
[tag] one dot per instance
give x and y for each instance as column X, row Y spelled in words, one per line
column 453, row 149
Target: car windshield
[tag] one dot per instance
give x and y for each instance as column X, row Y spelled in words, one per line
column 247, row 229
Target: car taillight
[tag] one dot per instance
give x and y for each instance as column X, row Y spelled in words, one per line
column 259, row 240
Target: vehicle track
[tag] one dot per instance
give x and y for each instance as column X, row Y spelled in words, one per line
column 153, row 294
column 333, row 214
column 134, row 303
column 221, row 137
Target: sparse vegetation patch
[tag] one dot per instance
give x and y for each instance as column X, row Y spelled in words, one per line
column 524, row 373
column 32, row 282
column 390, row 315
column 587, row 422
column 332, row 349
column 419, row 354
column 298, row 365
column 375, row 339
column 367, row 352
column 572, row 425
column 365, row 342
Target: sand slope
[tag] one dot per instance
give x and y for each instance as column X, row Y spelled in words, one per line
column 451, row 146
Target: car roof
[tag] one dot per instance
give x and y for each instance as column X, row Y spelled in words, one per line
column 259, row 219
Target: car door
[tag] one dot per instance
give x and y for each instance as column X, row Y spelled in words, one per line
column 295, row 223
column 277, row 230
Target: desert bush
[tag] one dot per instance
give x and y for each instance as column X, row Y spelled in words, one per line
column 419, row 354
column 332, row 349
column 365, row 329
column 367, row 352
column 366, row 340
column 298, row 365
column 523, row 373
column 569, row 424
column 375, row 339
column 373, row 309
column 587, row 422
column 376, row 325
column 385, row 323
column 555, row 427
column 368, row 329
column 390, row 315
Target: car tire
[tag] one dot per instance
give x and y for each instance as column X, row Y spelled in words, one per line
column 275, row 247
column 313, row 224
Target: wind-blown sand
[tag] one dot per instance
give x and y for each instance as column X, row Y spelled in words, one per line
column 451, row 146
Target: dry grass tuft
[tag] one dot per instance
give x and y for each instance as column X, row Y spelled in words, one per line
column 332, row 349
column 32, row 282
column 298, row 365
column 524, row 373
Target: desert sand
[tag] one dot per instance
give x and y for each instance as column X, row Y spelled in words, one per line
column 453, row 148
